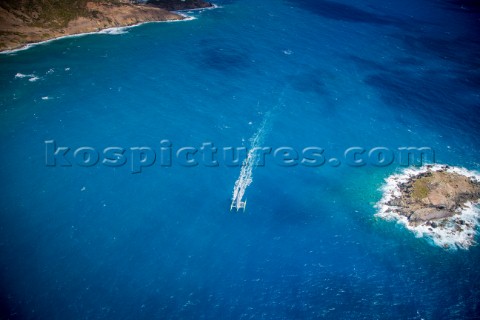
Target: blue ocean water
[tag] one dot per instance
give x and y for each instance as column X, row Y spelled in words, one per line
column 103, row 243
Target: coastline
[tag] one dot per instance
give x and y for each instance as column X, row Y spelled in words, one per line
column 107, row 31
column 457, row 231
column 174, row 16
column 213, row 6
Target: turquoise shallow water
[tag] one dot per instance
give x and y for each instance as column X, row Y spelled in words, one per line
column 102, row 243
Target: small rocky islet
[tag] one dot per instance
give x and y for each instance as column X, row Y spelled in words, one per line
column 436, row 201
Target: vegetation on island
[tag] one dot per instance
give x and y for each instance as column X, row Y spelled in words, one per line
column 29, row 21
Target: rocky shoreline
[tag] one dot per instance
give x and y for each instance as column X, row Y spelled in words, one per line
column 436, row 201
column 20, row 27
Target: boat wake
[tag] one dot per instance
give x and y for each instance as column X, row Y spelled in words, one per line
column 246, row 172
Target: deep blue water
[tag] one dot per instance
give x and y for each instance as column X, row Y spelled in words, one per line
column 103, row 243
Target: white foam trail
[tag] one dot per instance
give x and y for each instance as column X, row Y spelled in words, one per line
column 31, row 77
column 452, row 235
column 246, row 172
column 21, row 76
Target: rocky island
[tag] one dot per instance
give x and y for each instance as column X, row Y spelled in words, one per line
column 23, row 22
column 435, row 201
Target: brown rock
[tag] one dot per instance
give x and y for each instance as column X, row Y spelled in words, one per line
column 19, row 25
column 426, row 214
column 434, row 196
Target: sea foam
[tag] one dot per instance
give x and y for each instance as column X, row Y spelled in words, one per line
column 451, row 235
column 21, row 75
column 214, row 6
column 114, row 31
column 31, row 77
